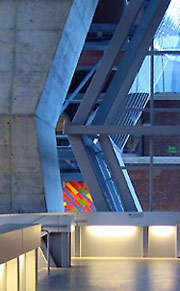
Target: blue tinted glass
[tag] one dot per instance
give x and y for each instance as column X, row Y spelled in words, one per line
column 167, row 36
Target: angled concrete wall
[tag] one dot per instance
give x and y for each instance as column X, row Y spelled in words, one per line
column 40, row 43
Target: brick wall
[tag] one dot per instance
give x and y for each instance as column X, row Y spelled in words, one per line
column 166, row 182
column 166, row 188
column 164, row 145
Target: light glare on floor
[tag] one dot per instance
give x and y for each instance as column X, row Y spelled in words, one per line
column 162, row 230
column 114, row 231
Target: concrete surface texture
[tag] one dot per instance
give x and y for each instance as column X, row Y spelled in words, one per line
column 40, row 43
column 116, row 275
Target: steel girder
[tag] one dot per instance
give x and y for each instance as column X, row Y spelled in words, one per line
column 131, row 62
column 114, row 160
column 111, row 54
column 114, row 98
column 89, row 173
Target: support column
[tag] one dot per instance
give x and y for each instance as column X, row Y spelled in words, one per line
column 41, row 42
column 178, row 239
column 145, row 241
column 77, row 241
column 60, row 248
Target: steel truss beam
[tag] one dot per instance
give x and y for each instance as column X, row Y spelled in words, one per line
column 114, row 97
column 130, row 202
column 101, row 170
column 88, row 173
column 131, row 61
column 168, row 52
column 112, row 52
column 81, row 85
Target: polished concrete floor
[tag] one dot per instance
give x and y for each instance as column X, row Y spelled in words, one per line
column 114, row 274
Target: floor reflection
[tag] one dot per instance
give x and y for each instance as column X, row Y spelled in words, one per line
column 114, row 274
column 163, row 275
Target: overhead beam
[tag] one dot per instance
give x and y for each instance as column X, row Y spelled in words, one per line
column 65, row 152
column 164, row 52
column 96, row 45
column 71, row 129
column 71, row 176
column 78, row 89
column 157, row 96
column 104, row 28
column 112, row 52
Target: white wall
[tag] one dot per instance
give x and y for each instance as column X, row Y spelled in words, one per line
column 12, row 275
column 111, row 241
column 19, row 274
column 3, row 277
column 162, row 241
column 73, row 242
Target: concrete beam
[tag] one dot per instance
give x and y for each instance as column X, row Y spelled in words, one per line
column 65, row 60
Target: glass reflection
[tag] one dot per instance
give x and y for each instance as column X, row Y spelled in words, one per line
column 166, row 66
column 167, row 35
